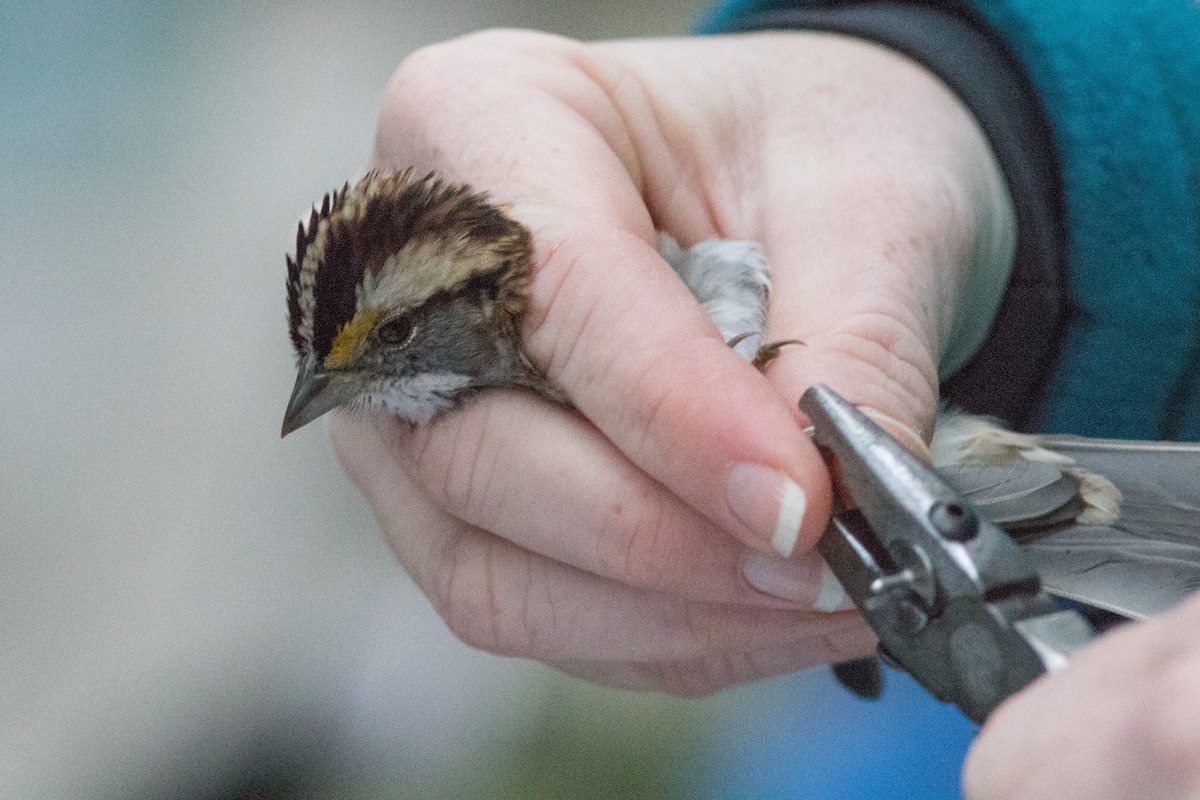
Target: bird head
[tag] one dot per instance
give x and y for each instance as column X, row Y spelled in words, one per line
column 405, row 294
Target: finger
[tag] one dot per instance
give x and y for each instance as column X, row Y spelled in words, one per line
column 548, row 482
column 609, row 322
column 872, row 345
column 875, row 239
column 501, row 598
column 1118, row 722
column 647, row 367
column 700, row 677
column 512, row 602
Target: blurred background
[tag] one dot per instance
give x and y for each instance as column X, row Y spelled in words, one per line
column 190, row 607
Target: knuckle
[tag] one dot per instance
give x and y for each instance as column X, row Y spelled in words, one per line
column 692, row 687
column 466, row 472
column 847, row 645
column 694, row 680
column 654, row 401
column 419, row 81
column 428, row 78
column 472, row 594
column 435, row 66
column 552, row 328
column 650, row 541
column 703, row 677
column 887, row 361
column 455, row 463
column 568, row 317
column 703, row 628
column 893, row 348
column 463, row 596
column 639, row 551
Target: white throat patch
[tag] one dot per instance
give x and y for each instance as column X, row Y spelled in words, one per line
column 416, row 398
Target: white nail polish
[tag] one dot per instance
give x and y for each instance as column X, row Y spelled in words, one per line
column 768, row 503
column 831, row 597
column 779, row 577
column 792, row 503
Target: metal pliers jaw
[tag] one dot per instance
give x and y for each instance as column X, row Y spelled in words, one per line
column 953, row 600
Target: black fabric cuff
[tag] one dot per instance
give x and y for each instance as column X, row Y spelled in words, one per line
column 1007, row 376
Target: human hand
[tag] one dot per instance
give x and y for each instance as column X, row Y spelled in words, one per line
column 1119, row 722
column 625, row 543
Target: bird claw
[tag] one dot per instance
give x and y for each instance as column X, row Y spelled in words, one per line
column 741, row 337
column 770, row 351
column 765, row 354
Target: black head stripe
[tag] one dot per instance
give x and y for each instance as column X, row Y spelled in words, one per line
column 369, row 223
column 293, row 286
column 341, row 271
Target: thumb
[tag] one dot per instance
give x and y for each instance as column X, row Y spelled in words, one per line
column 609, row 322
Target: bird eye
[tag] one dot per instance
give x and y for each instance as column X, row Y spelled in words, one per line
column 396, row 331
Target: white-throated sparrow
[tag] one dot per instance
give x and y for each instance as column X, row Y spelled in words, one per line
column 406, row 294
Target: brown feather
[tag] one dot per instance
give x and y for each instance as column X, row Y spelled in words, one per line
column 439, row 235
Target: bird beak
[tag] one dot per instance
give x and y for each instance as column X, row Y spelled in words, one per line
column 315, row 393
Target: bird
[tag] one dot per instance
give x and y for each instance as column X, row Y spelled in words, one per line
column 405, row 294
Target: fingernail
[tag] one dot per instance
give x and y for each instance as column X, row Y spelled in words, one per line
column 768, row 503
column 778, row 577
column 793, row 579
column 831, row 597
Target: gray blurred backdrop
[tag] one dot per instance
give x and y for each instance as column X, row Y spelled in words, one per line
column 190, row 607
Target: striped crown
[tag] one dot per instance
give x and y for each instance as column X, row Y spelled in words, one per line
column 440, row 235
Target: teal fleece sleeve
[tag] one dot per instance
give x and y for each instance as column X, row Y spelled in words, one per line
column 1120, row 83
